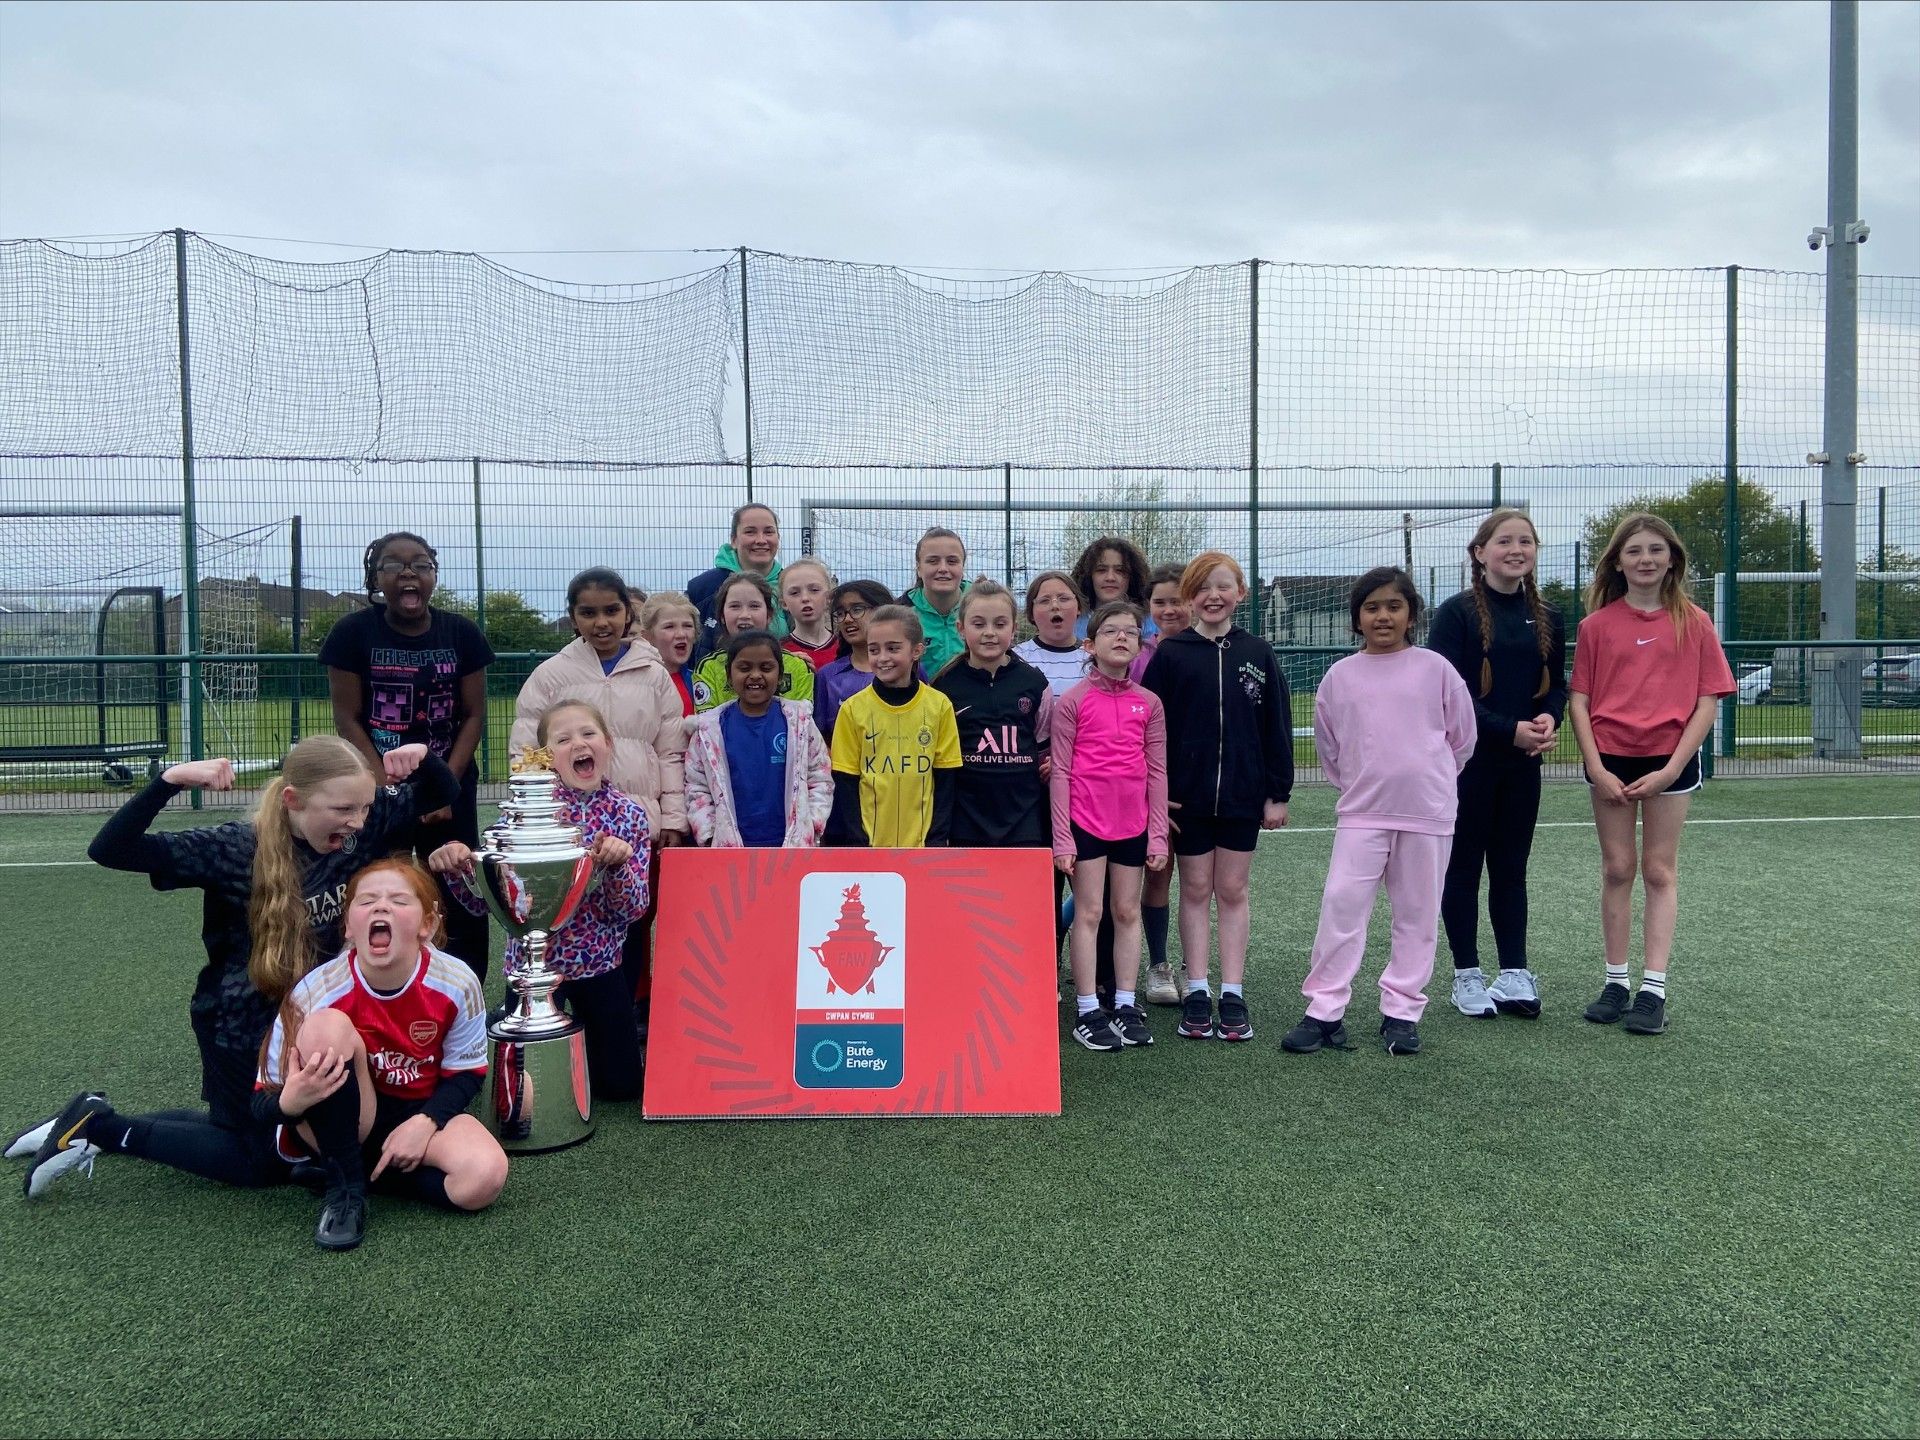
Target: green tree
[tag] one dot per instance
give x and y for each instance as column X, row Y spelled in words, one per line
column 1769, row 541
column 1165, row 537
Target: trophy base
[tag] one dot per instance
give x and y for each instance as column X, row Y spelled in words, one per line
column 539, row 1096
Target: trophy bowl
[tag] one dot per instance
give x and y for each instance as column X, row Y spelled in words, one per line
column 534, row 871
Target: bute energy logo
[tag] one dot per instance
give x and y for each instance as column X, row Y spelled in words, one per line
column 850, row 994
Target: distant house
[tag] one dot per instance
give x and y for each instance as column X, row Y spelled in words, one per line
column 1306, row 610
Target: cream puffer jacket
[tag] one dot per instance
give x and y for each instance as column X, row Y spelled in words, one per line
column 642, row 707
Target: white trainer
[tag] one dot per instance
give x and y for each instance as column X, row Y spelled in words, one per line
column 29, row 1140
column 1470, row 995
column 77, row 1156
column 1516, row 992
column 1160, row 987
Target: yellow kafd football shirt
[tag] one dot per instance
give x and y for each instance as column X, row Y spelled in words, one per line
column 895, row 749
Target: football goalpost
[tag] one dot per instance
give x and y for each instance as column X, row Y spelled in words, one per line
column 82, row 586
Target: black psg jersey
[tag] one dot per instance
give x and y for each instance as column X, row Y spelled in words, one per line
column 1003, row 720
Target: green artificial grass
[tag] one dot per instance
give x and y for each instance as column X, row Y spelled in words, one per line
column 1534, row 1227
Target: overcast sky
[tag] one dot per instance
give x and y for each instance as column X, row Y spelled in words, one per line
column 1080, row 137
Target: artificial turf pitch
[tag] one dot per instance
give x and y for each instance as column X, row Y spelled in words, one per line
column 1533, row 1228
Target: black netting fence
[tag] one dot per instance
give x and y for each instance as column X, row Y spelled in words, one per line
column 1313, row 420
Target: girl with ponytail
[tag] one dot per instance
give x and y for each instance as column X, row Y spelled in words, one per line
column 273, row 888
column 1509, row 646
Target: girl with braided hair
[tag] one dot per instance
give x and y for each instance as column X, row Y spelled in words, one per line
column 405, row 672
column 1509, row 646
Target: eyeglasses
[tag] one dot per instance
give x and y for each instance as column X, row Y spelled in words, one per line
column 1116, row 632
column 422, row 566
column 853, row 612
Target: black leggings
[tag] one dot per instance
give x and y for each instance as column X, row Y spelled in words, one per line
column 189, row 1141
column 604, row 1005
column 1499, row 805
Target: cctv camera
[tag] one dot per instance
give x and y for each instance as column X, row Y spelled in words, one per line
column 1858, row 232
column 1818, row 236
column 1813, row 241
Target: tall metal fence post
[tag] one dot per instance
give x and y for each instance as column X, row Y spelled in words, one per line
column 1836, row 696
column 189, row 536
column 1006, row 515
column 1880, row 594
column 1496, row 485
column 1730, row 521
column 296, row 623
column 1253, row 442
column 746, row 371
column 480, row 607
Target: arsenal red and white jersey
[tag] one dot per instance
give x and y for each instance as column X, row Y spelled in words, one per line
column 436, row 1023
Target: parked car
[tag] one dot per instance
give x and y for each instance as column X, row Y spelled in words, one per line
column 1891, row 680
column 1756, row 687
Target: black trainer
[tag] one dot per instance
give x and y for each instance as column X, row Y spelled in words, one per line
column 1132, row 1026
column 1648, row 1015
column 1310, row 1034
column 1097, row 1031
column 1196, row 1015
column 1611, row 1005
column 343, row 1219
column 1236, row 1023
column 1400, row 1037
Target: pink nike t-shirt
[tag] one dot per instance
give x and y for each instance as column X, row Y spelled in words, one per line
column 1641, row 680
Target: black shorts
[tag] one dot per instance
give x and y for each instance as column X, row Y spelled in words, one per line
column 1131, row 851
column 1629, row 768
column 1201, row 835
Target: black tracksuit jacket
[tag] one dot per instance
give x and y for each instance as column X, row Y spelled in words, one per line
column 1229, row 723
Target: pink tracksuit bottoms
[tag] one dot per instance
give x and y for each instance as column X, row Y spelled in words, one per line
column 1413, row 866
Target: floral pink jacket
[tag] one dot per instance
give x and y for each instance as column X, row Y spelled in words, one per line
column 710, row 786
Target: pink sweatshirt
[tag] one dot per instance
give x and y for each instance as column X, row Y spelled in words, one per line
column 1393, row 732
column 1109, row 764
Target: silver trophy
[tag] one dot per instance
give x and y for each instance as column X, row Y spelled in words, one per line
column 534, row 872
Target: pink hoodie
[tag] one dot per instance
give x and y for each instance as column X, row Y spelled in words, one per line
column 1393, row 732
column 1109, row 764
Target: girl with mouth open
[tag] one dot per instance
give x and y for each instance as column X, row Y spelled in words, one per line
column 1647, row 669
column 1053, row 609
column 272, row 889
column 402, row 672
column 757, row 772
column 587, row 950
column 374, row 1058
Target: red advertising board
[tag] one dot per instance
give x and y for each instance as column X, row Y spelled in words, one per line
column 794, row 983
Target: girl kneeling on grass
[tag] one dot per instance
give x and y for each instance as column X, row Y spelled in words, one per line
column 1647, row 669
column 1109, row 786
column 757, row 772
column 587, row 949
column 1394, row 727
column 273, row 887
column 374, row 1058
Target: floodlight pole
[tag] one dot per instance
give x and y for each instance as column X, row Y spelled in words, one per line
column 1836, row 695
column 1253, row 444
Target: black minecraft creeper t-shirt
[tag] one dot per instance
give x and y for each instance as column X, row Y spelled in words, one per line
column 410, row 684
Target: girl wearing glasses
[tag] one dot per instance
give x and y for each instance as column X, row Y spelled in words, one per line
column 403, row 672
column 853, row 671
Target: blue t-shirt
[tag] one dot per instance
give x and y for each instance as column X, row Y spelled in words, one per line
column 757, row 764
column 606, row 666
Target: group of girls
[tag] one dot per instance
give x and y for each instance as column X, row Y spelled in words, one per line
column 1138, row 734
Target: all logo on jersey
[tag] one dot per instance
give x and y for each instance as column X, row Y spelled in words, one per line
column 850, row 990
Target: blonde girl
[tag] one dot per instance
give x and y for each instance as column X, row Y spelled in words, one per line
column 1647, row 671
column 806, row 586
column 273, row 890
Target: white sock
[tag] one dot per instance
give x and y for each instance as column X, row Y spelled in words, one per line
column 1122, row 999
column 1226, row 989
column 1655, row 981
column 1086, row 1004
column 1200, row 984
column 1617, row 975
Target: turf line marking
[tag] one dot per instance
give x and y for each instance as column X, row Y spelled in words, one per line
column 1307, row 830
column 1588, row 824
